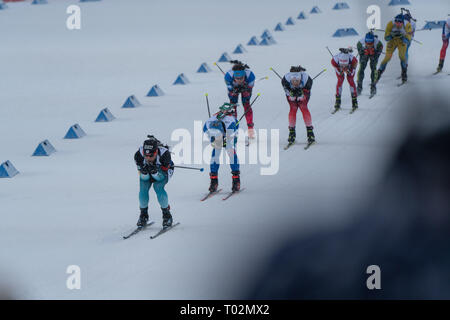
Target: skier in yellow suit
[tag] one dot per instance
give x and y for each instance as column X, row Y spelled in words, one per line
column 398, row 35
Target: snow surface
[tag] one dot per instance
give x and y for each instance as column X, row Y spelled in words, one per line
column 73, row 207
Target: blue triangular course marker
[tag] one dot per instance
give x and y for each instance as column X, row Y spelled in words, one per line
column 7, row 170
column 75, row 132
column 315, row 9
column 345, row 32
column 279, row 27
column 224, row 57
column 155, row 91
column 239, row 49
column 265, row 42
column 290, row 22
column 301, row 16
column 253, row 41
column 204, row 68
column 181, row 79
column 398, row 2
column 39, row 2
column 3, row 6
column 266, row 34
column 434, row 25
column 131, row 102
column 340, row 6
column 105, row 116
column 44, row 148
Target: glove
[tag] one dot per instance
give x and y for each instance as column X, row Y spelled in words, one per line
column 369, row 51
column 405, row 40
column 306, row 94
column 238, row 88
column 149, row 168
column 297, row 92
column 396, row 34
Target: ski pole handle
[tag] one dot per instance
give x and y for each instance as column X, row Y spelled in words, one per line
column 191, row 168
column 207, row 104
column 275, row 73
column 219, row 68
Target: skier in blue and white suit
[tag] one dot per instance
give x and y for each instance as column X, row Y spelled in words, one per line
column 241, row 80
column 222, row 129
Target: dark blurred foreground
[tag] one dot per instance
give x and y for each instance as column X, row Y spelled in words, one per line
column 405, row 230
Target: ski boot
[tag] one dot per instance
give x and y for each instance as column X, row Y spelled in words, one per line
column 373, row 89
column 354, row 103
column 167, row 217
column 310, row 135
column 378, row 75
column 251, row 132
column 214, row 182
column 440, row 66
column 143, row 218
column 337, row 104
column 359, row 89
column 291, row 138
column 404, row 75
column 236, row 181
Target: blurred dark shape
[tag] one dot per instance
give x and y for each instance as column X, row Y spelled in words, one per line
column 405, row 230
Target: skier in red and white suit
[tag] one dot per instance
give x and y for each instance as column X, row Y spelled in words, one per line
column 297, row 86
column 345, row 63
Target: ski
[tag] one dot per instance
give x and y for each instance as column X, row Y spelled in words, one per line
column 372, row 95
column 436, row 72
column 138, row 229
column 164, row 230
column 335, row 110
column 289, row 145
column 210, row 194
column 353, row 110
column 232, row 193
column 309, row 144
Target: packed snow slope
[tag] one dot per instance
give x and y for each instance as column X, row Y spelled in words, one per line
column 73, row 207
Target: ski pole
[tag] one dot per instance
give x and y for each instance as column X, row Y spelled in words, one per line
column 191, row 168
column 207, row 104
column 250, row 108
column 263, row 78
column 329, row 51
column 219, row 67
column 275, row 73
column 411, row 39
column 320, row 73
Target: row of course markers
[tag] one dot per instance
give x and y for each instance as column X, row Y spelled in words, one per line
column 35, row 2
column 45, row 148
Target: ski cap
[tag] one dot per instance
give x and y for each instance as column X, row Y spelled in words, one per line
column 399, row 18
column 370, row 38
column 224, row 110
column 150, row 146
column 239, row 73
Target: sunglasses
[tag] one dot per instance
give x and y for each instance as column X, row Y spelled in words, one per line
column 150, row 154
